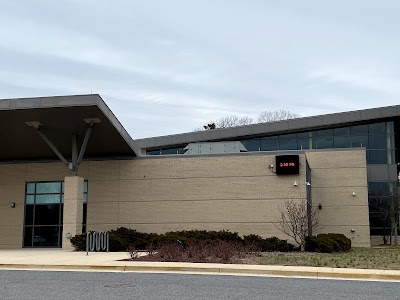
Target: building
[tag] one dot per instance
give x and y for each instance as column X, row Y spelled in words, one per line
column 68, row 165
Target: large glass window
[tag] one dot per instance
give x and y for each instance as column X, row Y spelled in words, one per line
column 269, row 144
column 44, row 213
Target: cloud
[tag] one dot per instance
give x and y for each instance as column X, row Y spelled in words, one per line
column 168, row 67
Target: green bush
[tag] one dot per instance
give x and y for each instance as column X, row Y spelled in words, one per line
column 328, row 243
column 123, row 238
column 274, row 244
column 79, row 242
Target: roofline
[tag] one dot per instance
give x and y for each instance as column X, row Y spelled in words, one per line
column 71, row 101
column 271, row 128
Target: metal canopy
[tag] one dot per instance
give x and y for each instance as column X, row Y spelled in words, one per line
column 60, row 119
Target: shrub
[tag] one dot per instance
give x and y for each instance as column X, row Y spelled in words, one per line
column 123, row 238
column 328, row 243
column 275, row 244
column 207, row 251
column 79, row 242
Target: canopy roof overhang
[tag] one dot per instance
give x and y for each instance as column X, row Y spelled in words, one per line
column 61, row 118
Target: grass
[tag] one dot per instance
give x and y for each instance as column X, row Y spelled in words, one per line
column 360, row 258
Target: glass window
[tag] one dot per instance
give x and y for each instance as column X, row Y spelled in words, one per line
column 48, row 187
column 181, row 150
column 303, row 143
column 169, row 151
column 251, row 145
column 28, row 231
column 322, row 142
column 378, row 188
column 325, row 132
column 359, row 130
column 303, row 135
column 153, row 152
column 377, row 128
column 341, row 131
column 46, row 236
column 359, row 141
column 44, row 213
column 390, row 128
column 269, row 144
column 30, row 199
column 341, row 142
column 287, row 143
column 29, row 215
column 377, row 142
column 47, row 214
column 30, row 188
column 377, row 156
column 48, row 199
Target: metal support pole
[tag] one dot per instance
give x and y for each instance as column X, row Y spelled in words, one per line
column 51, row 145
column 84, row 144
column 74, row 154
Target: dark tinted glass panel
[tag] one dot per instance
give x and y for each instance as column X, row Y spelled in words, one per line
column 359, row 130
column 85, row 186
column 379, row 220
column 326, row 132
column 153, row 152
column 30, row 188
column 47, row 214
column 269, row 144
column 181, row 150
column 28, row 236
column 29, row 214
column 251, row 145
column 30, row 199
column 303, row 135
column 324, row 142
column 378, row 189
column 287, row 144
column 341, row 131
column 62, row 214
column 390, row 127
column 341, row 142
column 303, row 143
column 84, row 198
column 84, row 213
column 48, row 187
column 170, row 151
column 377, row 156
column 378, row 128
column 377, row 142
column 46, row 236
column 288, row 136
column 42, row 199
column 359, row 141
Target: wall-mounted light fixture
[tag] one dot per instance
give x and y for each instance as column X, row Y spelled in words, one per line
column 354, row 193
column 295, row 183
column 353, row 230
column 12, row 204
column 307, row 183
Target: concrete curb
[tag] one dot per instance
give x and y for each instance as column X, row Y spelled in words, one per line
column 220, row 269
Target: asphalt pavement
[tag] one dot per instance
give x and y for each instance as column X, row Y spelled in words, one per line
column 43, row 285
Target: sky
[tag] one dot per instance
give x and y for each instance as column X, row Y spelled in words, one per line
column 166, row 67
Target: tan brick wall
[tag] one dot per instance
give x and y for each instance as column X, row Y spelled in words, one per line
column 231, row 192
column 335, row 176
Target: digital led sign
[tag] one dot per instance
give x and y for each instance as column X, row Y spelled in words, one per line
column 287, row 164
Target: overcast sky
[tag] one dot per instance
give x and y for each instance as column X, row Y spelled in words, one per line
column 166, row 67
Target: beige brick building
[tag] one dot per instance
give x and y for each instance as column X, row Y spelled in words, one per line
column 67, row 165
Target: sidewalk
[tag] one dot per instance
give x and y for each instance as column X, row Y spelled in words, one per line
column 55, row 259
